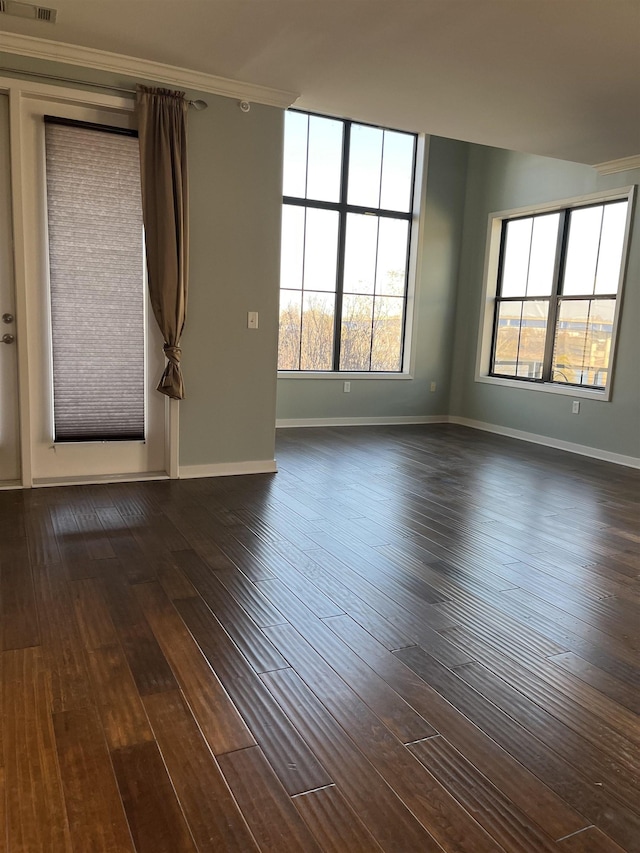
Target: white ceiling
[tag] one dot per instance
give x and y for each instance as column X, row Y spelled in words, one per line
column 553, row 77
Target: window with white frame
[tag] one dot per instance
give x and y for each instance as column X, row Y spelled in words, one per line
column 553, row 293
column 346, row 232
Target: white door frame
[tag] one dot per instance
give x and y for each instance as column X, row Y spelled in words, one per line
column 22, row 95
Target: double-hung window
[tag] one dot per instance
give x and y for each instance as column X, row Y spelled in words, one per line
column 346, row 232
column 558, row 279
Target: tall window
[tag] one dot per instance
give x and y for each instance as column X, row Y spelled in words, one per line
column 346, row 227
column 559, row 278
column 96, row 272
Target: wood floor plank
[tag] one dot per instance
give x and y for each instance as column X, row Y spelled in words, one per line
column 36, row 819
column 296, row 766
column 334, row 657
column 379, row 807
column 510, row 776
column 268, row 809
column 155, row 818
column 18, row 611
column 148, row 664
column 94, row 809
column 448, row 823
column 212, row 814
column 117, row 698
column 94, row 621
column 219, row 720
column 507, row 824
column 333, row 823
column 596, row 803
column 600, row 680
column 591, row 840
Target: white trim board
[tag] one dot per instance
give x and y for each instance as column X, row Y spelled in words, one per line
column 145, row 69
column 557, row 443
column 228, row 469
column 288, row 423
column 624, row 164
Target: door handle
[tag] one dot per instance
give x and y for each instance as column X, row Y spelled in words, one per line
column 8, row 339
column 7, row 318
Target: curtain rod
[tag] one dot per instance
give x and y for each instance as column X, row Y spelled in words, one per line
column 197, row 105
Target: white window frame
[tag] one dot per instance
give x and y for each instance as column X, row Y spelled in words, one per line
column 490, row 289
column 416, row 239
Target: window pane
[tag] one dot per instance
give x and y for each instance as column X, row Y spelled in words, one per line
column 386, row 348
column 611, row 243
column 320, row 249
column 583, row 341
column 520, row 339
column 357, row 318
column 292, row 246
column 290, row 326
column 325, row 157
column 543, row 254
column 97, row 283
column 294, row 175
column 360, row 253
column 317, row 331
column 582, row 251
column 393, row 238
column 397, row 171
column 516, row 257
column 365, row 164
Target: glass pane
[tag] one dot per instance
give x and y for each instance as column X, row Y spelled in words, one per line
column 611, row 239
column 360, row 253
column 294, row 175
column 386, row 347
column 393, row 235
column 505, row 359
column 325, row 159
column 397, row 171
column 289, row 337
column 292, row 246
column 583, row 341
column 357, row 316
column 516, row 257
column 320, row 249
column 365, row 163
column 543, row 254
column 317, row 331
column 533, row 334
column 582, row 251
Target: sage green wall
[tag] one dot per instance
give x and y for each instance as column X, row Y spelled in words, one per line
column 236, row 196
column 501, row 180
column 438, row 272
column 236, row 199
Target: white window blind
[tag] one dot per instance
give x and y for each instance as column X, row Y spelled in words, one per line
column 96, row 273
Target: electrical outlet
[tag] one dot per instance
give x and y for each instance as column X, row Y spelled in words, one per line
column 252, row 320
column 433, row 386
column 575, row 407
column 346, row 387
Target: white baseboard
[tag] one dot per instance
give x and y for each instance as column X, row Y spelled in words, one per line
column 287, row 423
column 228, row 469
column 558, row 444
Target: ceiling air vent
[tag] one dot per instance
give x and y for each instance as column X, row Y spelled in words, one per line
column 28, row 10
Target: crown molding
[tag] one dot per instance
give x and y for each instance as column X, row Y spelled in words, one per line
column 101, row 60
column 624, row 164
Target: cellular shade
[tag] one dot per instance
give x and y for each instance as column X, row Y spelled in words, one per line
column 97, row 283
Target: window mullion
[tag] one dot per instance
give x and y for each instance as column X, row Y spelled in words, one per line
column 552, row 315
column 342, row 236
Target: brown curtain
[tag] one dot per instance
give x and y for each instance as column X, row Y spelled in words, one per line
column 162, row 129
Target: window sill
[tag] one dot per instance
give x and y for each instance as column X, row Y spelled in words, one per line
column 601, row 396
column 302, row 374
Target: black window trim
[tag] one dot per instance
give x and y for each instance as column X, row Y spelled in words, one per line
column 343, row 208
column 493, row 283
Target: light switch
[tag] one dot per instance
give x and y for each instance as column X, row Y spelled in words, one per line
column 252, row 320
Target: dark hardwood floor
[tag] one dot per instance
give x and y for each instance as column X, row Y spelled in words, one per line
column 409, row 639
